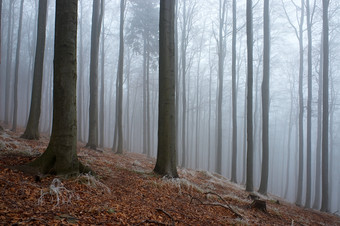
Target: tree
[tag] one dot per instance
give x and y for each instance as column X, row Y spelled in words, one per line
column 325, row 49
column 299, row 36
column 93, row 117
column 234, row 99
column 120, row 78
column 221, row 58
column 16, row 72
column 60, row 157
column 0, row 27
column 32, row 128
column 249, row 180
column 265, row 99
column 166, row 150
column 309, row 108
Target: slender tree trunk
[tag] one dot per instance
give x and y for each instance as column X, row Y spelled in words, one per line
column 249, row 180
column 221, row 57
column 309, row 110
column 148, row 121
column 0, row 28
column 93, row 117
column 9, row 63
column 234, row 100
column 102, row 84
column 120, row 78
column 32, row 128
column 318, row 157
column 166, row 151
column 300, row 175
column 184, row 66
column 80, row 94
column 265, row 99
column 145, row 148
column 16, row 73
column 324, row 201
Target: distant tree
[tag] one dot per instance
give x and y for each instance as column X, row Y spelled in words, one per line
column 16, row 72
column 0, row 27
column 234, row 99
column 93, row 116
column 119, row 104
column 221, row 58
column 325, row 110
column 166, row 150
column 142, row 34
column 60, row 157
column 309, row 108
column 265, row 99
column 9, row 62
column 101, row 133
column 32, row 128
column 249, row 180
column 299, row 36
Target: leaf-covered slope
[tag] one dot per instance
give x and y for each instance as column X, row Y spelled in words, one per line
column 126, row 192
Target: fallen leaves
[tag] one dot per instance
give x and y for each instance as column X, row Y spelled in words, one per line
column 126, row 192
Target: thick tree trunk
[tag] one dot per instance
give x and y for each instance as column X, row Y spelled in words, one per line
column 249, row 180
column 32, row 128
column 166, row 150
column 265, row 99
column 60, row 156
column 16, row 72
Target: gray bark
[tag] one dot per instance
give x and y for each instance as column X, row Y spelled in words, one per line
column 32, row 128
column 166, row 150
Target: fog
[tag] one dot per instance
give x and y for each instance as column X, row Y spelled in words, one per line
column 197, row 94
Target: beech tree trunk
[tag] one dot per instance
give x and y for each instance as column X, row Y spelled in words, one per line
column 249, row 179
column 16, row 72
column 60, row 157
column 265, row 99
column 166, row 150
column 32, row 128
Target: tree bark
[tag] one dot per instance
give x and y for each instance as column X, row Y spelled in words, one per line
column 234, row 100
column 166, row 151
column 60, row 157
column 309, row 110
column 32, row 128
column 325, row 49
column 16, row 72
column 93, row 117
column 120, row 78
column 265, row 99
column 249, row 179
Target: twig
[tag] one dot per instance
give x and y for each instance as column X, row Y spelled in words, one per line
column 151, row 222
column 172, row 219
column 213, row 193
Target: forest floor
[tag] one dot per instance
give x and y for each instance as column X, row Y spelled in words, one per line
column 125, row 191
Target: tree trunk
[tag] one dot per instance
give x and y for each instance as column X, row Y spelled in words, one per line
column 32, row 128
column 120, row 78
column 166, row 151
column 325, row 49
column 309, row 110
column 80, row 94
column 93, row 109
column 16, row 73
column 249, row 180
column 102, row 84
column 221, row 57
column 9, row 63
column 300, row 173
column 60, row 157
column 184, row 107
column 234, row 100
column 265, row 99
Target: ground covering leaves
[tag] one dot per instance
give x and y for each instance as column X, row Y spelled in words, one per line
column 125, row 191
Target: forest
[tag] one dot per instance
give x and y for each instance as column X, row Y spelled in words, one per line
column 246, row 91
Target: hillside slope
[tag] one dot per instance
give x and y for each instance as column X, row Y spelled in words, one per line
column 126, row 192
